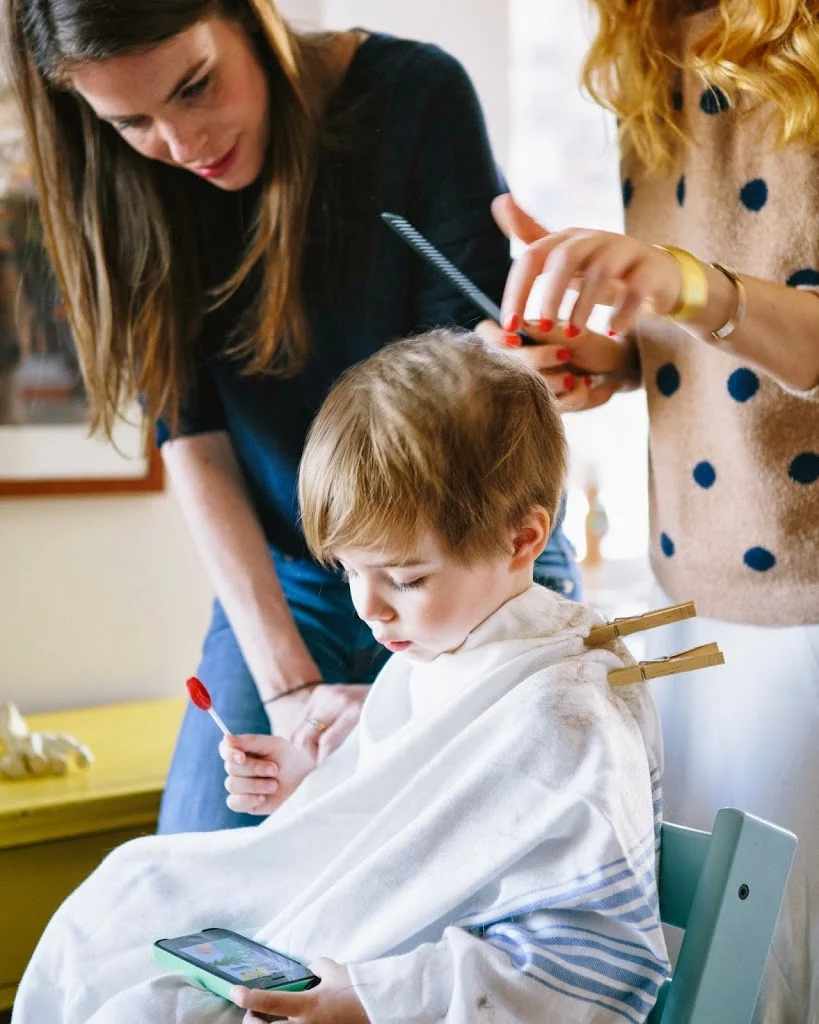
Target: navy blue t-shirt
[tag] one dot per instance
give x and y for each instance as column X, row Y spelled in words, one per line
column 409, row 138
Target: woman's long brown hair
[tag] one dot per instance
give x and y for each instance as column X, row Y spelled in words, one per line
column 118, row 227
column 765, row 49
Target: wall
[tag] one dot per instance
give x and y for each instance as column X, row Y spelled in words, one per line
column 103, row 599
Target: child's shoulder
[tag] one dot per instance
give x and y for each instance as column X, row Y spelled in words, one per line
column 567, row 677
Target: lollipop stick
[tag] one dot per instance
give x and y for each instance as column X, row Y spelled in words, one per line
column 219, row 722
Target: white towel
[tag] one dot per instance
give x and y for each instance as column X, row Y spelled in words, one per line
column 482, row 846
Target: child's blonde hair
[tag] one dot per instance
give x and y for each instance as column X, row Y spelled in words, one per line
column 439, row 432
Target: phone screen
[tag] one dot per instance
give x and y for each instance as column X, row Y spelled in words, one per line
column 242, row 961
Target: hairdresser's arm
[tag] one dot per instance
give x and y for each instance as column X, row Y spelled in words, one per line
column 209, row 483
column 779, row 332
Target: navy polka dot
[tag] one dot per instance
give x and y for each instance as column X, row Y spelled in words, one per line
column 705, row 474
column 668, row 379
column 628, row 191
column 807, row 275
column 667, row 544
column 805, row 468
column 754, row 194
column 743, row 384
column 759, row 559
column 681, row 190
column 677, row 99
column 713, row 101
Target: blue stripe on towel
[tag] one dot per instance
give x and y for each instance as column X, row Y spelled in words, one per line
column 628, row 1002
column 558, row 895
column 555, row 936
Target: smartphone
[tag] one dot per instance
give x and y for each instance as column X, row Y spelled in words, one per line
column 216, row 959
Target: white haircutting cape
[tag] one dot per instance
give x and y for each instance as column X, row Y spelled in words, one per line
column 482, row 847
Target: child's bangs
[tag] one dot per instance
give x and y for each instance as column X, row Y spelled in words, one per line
column 358, row 506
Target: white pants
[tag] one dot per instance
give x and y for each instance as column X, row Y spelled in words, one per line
column 746, row 735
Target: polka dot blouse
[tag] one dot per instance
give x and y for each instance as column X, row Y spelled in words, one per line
column 734, row 453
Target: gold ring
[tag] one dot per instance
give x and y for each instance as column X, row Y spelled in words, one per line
column 317, row 724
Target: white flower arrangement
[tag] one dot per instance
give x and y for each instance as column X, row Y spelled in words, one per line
column 26, row 754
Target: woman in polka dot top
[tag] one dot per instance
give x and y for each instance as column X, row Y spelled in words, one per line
column 715, row 295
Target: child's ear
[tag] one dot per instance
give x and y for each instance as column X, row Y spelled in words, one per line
column 529, row 538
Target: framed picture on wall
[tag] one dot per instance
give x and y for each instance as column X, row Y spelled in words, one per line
column 44, row 443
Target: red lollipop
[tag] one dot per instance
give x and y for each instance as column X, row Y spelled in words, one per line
column 201, row 698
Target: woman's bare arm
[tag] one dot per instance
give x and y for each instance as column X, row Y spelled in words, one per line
column 208, row 480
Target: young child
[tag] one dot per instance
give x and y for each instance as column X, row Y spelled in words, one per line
column 482, row 846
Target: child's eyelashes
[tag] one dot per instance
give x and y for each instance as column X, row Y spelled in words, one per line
column 408, row 585
column 348, row 575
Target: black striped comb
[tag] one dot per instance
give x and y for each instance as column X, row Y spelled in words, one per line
column 402, row 227
column 426, row 250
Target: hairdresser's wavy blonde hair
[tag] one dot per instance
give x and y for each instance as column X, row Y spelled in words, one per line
column 118, row 226
column 768, row 49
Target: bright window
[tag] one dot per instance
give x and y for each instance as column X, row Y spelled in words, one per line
column 564, row 170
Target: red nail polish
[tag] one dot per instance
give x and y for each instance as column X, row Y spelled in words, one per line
column 571, row 331
column 512, row 322
column 564, row 354
column 612, row 334
column 512, row 339
column 587, row 381
column 569, row 382
column 545, row 325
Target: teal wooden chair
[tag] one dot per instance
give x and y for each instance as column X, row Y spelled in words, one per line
column 725, row 889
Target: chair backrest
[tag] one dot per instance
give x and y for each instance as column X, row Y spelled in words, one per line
column 725, row 889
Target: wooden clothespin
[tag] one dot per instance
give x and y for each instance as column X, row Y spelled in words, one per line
column 638, row 623
column 698, row 657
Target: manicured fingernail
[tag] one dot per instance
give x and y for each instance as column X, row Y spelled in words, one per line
column 564, row 354
column 512, row 322
column 587, row 382
column 545, row 325
column 571, row 331
column 569, row 382
column 513, row 339
column 612, row 334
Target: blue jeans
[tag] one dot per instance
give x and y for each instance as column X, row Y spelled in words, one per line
column 556, row 568
column 342, row 647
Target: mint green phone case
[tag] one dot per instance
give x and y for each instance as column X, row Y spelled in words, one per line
column 204, row 979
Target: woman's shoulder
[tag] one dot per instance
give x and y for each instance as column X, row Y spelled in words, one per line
column 393, row 62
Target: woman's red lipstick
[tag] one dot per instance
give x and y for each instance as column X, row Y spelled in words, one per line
column 221, row 167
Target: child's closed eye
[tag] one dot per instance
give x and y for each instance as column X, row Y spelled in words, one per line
column 408, row 584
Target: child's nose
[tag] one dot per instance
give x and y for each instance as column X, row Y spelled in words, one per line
column 376, row 609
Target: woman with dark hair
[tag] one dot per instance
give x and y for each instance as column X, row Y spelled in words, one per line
column 715, row 310
column 210, row 183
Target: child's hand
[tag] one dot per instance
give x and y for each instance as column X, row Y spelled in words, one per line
column 262, row 771
column 332, row 1002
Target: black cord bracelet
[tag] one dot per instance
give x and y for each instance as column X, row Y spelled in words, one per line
column 286, row 693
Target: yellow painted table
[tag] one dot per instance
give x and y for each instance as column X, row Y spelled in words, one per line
column 54, row 831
